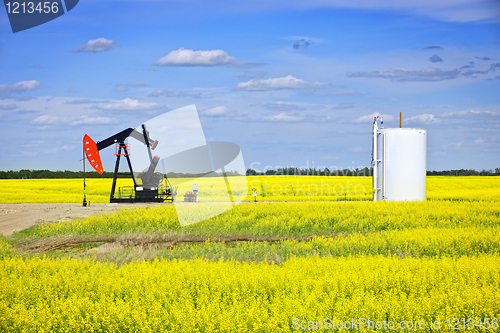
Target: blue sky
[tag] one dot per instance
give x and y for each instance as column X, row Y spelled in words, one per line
column 292, row 83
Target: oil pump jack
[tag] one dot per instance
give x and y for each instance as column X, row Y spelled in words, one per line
column 152, row 187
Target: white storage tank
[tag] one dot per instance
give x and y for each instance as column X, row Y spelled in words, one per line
column 399, row 163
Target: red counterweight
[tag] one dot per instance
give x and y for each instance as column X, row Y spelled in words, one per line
column 92, row 153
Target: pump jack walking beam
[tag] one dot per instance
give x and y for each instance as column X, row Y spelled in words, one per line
column 120, row 138
column 92, row 149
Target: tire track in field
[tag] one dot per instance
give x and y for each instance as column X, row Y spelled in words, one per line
column 57, row 243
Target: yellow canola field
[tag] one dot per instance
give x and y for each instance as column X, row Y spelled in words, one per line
column 269, row 188
column 391, row 262
column 311, row 218
column 69, row 295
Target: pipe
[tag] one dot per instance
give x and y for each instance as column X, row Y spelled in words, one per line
column 375, row 157
column 385, row 162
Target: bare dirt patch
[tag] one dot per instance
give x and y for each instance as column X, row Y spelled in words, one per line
column 16, row 217
column 133, row 240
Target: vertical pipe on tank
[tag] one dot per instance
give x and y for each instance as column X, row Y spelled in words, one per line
column 385, row 162
column 375, row 158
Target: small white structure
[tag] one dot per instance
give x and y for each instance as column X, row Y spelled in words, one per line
column 195, row 190
column 399, row 163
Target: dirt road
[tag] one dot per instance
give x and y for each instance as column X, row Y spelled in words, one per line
column 16, row 217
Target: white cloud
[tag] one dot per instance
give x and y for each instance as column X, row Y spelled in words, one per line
column 28, row 153
column 282, row 106
column 59, row 149
column 422, row 119
column 287, row 82
column 172, row 93
column 479, row 141
column 217, row 111
column 20, row 86
column 283, row 117
column 456, row 113
column 369, row 118
column 127, row 104
column 86, row 120
column 97, row 45
column 33, row 143
column 45, row 119
column 186, row 57
column 438, row 153
column 470, row 113
column 453, row 145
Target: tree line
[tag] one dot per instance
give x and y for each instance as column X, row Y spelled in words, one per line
column 66, row 174
column 364, row 172
column 292, row 171
column 465, row 172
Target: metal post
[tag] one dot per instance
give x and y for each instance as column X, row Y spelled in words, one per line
column 385, row 162
column 375, row 160
column 84, row 185
column 117, row 166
